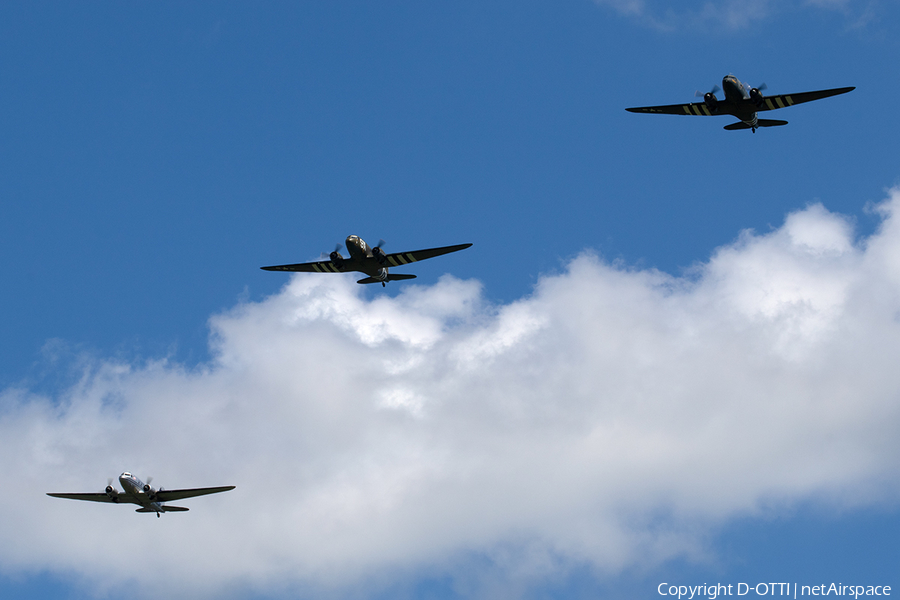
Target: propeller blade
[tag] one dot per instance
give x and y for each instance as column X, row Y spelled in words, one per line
column 762, row 86
column 715, row 90
column 380, row 243
column 149, row 480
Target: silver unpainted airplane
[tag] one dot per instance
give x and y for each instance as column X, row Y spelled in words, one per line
column 370, row 260
column 143, row 494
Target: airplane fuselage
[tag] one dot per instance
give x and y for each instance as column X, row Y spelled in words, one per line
column 734, row 89
column 138, row 492
column 366, row 258
column 738, row 96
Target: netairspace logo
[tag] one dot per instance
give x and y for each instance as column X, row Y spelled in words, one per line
column 713, row 591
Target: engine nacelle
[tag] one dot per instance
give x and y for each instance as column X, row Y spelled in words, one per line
column 337, row 259
column 148, row 489
column 379, row 255
column 712, row 103
column 112, row 493
column 756, row 96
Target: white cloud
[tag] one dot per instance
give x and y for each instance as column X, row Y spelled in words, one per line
column 727, row 14
column 615, row 416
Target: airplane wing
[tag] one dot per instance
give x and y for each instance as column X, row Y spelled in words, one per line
column 698, row 109
column 93, row 497
column 402, row 258
column 783, row 100
column 169, row 495
column 320, row 266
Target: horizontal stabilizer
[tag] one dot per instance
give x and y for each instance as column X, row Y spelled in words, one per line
column 759, row 123
column 165, row 509
column 390, row 277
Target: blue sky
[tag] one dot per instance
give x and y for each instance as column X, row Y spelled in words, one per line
column 156, row 155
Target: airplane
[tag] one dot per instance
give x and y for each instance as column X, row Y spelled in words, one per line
column 740, row 101
column 137, row 492
column 370, row 260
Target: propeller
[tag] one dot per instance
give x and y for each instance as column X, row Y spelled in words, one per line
column 715, row 90
column 110, row 490
column 762, row 86
column 335, row 257
column 378, row 253
column 756, row 94
column 326, row 256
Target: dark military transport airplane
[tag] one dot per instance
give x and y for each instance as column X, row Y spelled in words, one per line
column 740, row 101
column 143, row 494
column 370, row 260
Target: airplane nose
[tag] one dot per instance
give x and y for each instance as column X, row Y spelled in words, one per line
column 354, row 242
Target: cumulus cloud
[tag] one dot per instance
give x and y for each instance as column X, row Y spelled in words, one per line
column 613, row 417
column 727, row 14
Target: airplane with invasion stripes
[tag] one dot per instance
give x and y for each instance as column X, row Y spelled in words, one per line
column 740, row 101
column 370, row 260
